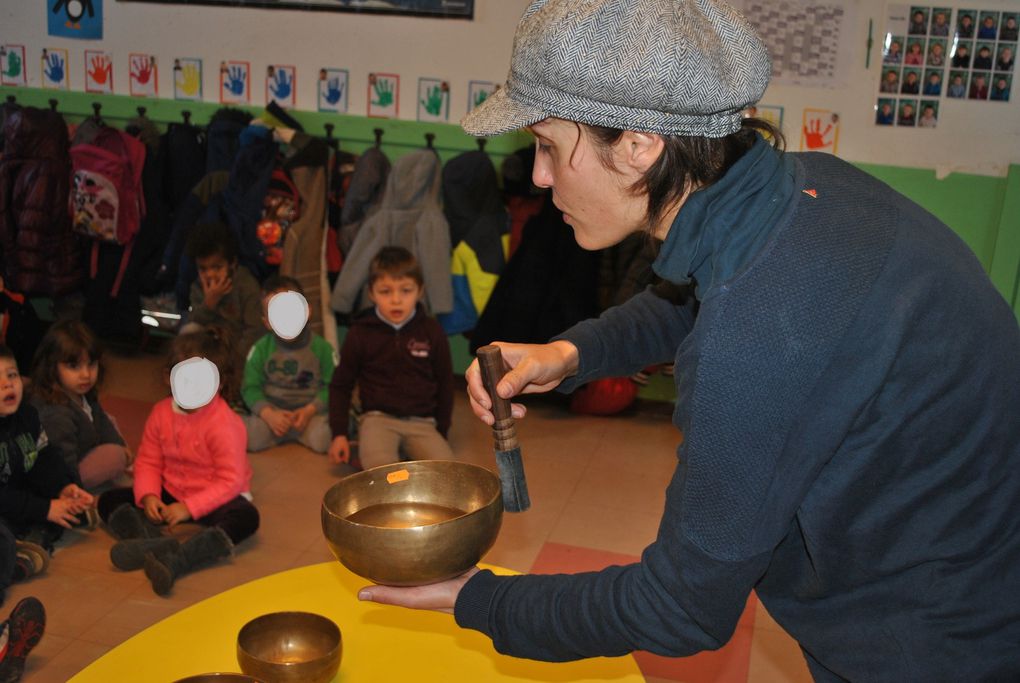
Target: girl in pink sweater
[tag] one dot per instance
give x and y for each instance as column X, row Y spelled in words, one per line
column 192, row 465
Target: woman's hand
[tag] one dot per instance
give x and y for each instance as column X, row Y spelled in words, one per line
column 534, row 368
column 175, row 513
column 154, row 508
column 339, row 450
column 440, row 597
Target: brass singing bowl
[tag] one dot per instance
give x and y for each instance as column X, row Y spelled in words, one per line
column 413, row 523
column 290, row 647
column 217, row 677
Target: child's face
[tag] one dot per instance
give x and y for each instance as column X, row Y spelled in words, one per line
column 395, row 297
column 78, row 377
column 10, row 387
column 214, row 270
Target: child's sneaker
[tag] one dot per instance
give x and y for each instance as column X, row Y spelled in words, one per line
column 23, row 629
column 30, row 558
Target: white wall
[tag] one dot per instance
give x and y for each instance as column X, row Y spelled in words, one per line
column 981, row 137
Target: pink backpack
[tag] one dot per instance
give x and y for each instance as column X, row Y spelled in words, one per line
column 106, row 201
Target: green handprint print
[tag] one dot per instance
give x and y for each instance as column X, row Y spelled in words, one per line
column 434, row 102
column 13, row 69
column 190, row 81
column 480, row 97
column 383, row 93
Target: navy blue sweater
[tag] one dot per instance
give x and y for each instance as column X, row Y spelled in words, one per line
column 848, row 396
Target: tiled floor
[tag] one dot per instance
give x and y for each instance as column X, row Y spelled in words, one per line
column 596, row 487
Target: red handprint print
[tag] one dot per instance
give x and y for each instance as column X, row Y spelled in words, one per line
column 814, row 136
column 141, row 69
column 101, row 69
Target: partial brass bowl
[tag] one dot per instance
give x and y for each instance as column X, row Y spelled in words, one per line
column 219, row 677
column 413, row 523
column 290, row 647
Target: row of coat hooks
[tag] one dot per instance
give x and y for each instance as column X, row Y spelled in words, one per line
column 186, row 115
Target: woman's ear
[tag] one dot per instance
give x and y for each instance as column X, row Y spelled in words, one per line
column 640, row 150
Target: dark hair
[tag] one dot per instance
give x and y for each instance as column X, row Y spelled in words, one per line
column 215, row 344
column 396, row 262
column 281, row 283
column 5, row 352
column 687, row 162
column 66, row 341
column 211, row 239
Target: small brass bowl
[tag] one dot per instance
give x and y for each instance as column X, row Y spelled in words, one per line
column 413, row 523
column 219, row 677
column 290, row 647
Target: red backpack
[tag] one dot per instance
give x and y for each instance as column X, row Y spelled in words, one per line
column 106, row 201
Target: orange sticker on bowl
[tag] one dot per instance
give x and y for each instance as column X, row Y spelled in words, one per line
column 399, row 475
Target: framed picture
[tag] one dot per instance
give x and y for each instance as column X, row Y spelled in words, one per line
column 98, row 72
column 433, row 100
column 188, row 79
column 235, row 82
column 144, row 80
column 12, row 65
column 445, row 9
column 383, row 95
column 478, row 92
column 333, row 85
column 281, row 84
column 55, row 70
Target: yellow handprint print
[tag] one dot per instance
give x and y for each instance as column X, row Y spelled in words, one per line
column 189, row 82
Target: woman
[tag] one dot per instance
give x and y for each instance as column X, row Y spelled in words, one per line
column 845, row 389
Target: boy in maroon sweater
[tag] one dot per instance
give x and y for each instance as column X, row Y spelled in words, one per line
column 399, row 358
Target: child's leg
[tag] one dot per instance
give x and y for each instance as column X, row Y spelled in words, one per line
column 423, row 442
column 317, row 434
column 260, row 436
column 109, row 501
column 378, row 439
column 238, row 518
column 103, row 463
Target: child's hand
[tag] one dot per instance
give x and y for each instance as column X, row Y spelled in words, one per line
column 79, row 496
column 154, row 508
column 339, row 450
column 215, row 289
column 175, row 513
column 63, row 511
column 301, row 416
column 278, row 420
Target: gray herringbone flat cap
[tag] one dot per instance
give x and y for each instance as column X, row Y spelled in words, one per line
column 673, row 67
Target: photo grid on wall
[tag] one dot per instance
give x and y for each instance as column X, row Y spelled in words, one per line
column 931, row 52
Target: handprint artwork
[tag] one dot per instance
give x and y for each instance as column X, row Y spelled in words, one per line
column 333, row 90
column 187, row 79
column 820, row 132
column 12, row 65
column 54, row 73
column 144, row 81
column 280, row 85
column 433, row 100
column 382, row 95
column 234, row 83
column 478, row 92
column 98, row 72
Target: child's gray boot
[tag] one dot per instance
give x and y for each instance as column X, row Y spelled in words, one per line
column 165, row 566
column 127, row 522
column 129, row 555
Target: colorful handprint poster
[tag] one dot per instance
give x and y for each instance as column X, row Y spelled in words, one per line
column 144, row 81
column 55, row 74
column 235, row 82
column 433, row 100
column 12, row 65
column 188, row 79
column 98, row 72
column 81, row 19
column 281, row 85
column 820, row 132
column 478, row 92
column 333, row 90
column 383, row 95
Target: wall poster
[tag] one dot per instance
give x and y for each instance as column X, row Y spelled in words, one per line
column 444, row 9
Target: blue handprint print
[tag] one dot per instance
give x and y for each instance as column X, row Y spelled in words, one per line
column 280, row 88
column 235, row 80
column 55, row 68
column 334, row 91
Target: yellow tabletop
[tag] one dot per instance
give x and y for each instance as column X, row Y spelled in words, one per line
column 380, row 643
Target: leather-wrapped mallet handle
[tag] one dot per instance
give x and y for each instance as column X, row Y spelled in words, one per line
column 504, row 432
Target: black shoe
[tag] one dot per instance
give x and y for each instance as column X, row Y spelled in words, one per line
column 25, row 628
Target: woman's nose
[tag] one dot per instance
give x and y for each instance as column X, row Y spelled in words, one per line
column 540, row 175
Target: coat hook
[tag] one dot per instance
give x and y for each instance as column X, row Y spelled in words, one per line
column 53, row 104
column 186, row 115
column 11, row 99
column 481, row 144
column 96, row 106
column 141, row 111
column 329, row 130
column 378, row 136
column 429, row 137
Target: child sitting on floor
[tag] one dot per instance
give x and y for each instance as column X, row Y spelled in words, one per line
column 287, row 374
column 67, row 369
column 38, row 497
column 191, row 465
column 399, row 358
